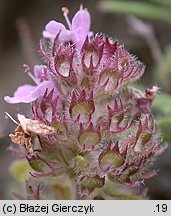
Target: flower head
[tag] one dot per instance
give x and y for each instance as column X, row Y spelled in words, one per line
column 87, row 122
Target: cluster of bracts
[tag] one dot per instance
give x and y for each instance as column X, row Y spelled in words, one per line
column 87, row 120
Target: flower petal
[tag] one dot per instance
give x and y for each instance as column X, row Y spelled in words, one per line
column 21, row 95
column 80, row 26
column 53, row 28
column 28, row 93
column 41, row 73
column 38, row 72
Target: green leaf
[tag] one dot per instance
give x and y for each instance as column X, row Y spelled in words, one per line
column 162, row 2
column 140, row 9
column 119, row 196
column 162, row 104
column 164, row 123
column 163, row 77
column 61, row 192
column 113, row 190
column 20, row 170
column 37, row 165
column 167, row 58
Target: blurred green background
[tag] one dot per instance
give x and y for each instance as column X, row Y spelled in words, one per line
column 144, row 26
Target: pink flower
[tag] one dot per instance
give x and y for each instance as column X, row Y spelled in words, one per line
column 29, row 93
column 78, row 29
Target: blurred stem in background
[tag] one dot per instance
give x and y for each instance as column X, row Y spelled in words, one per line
column 147, row 32
column 163, row 2
column 142, row 9
column 26, row 41
column 159, row 10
